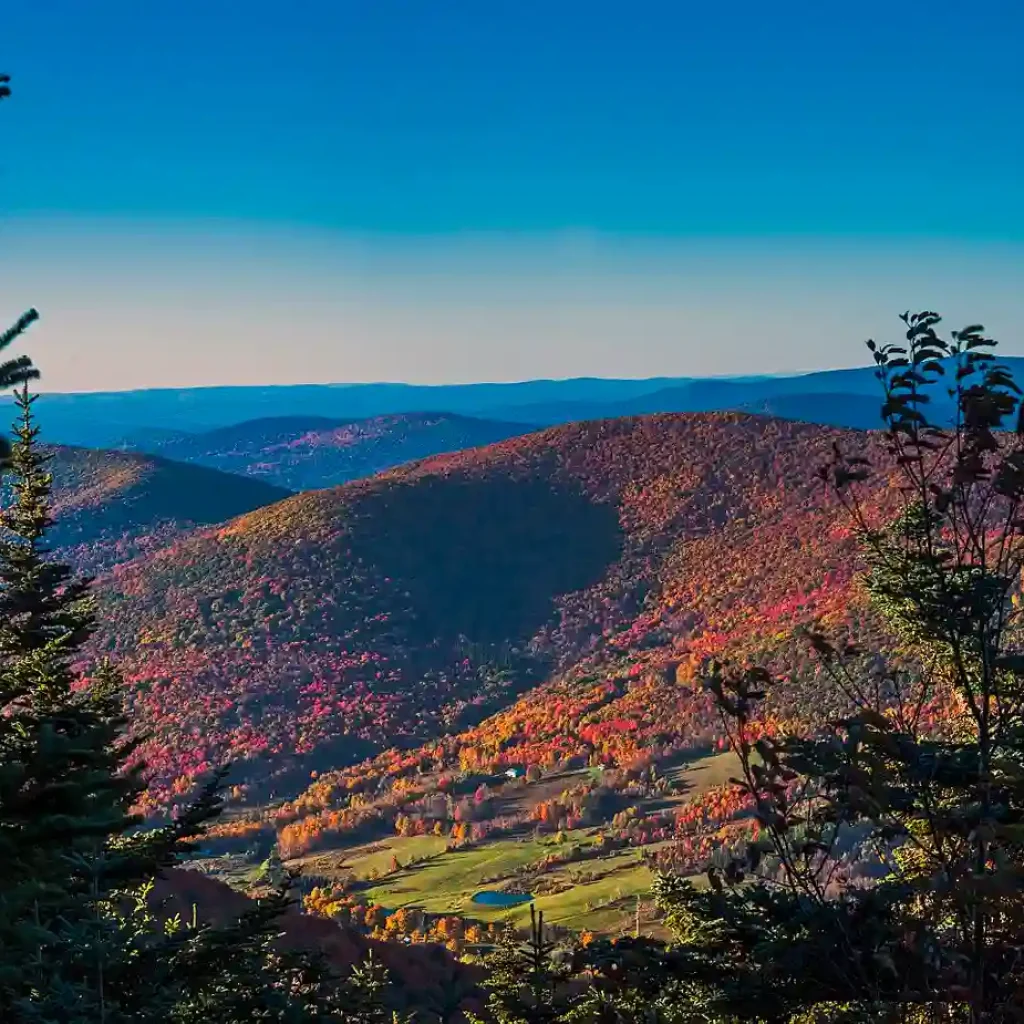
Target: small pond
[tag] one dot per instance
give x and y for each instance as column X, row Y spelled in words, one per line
column 493, row 898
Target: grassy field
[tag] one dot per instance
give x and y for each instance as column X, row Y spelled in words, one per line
column 597, row 894
column 377, row 857
column 601, row 905
column 446, row 884
column 697, row 777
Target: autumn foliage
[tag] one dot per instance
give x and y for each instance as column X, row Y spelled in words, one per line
column 307, row 634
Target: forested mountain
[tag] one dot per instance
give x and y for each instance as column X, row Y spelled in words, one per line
column 109, row 507
column 303, row 453
column 305, row 634
column 544, row 601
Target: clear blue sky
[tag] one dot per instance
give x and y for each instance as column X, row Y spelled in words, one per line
column 434, row 190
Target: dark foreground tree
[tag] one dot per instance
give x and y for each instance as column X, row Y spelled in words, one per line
column 608, row 981
column 936, row 811
column 80, row 937
column 526, row 984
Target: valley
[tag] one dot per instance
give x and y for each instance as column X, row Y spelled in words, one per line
column 580, row 880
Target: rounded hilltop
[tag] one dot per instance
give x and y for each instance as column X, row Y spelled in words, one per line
column 305, row 634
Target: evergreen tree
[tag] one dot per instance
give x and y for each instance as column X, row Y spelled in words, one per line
column 61, row 792
column 45, row 613
column 525, row 983
column 79, row 937
column 634, row 981
column 937, row 808
column 611, row 981
column 20, row 369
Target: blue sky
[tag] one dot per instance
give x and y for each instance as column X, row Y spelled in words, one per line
column 490, row 190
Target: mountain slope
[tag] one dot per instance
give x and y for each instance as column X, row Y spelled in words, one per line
column 302, row 636
column 110, row 506
column 308, row 452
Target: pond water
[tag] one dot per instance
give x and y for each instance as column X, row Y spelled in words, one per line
column 493, row 898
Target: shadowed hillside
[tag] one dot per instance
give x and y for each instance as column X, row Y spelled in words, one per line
column 307, row 452
column 304, row 634
column 486, row 562
column 109, row 507
column 858, row 412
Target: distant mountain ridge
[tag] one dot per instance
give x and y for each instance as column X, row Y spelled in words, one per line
column 105, row 419
column 307, row 452
column 109, row 419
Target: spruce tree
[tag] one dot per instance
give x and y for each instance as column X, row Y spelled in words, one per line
column 525, row 983
column 79, row 938
column 45, row 612
column 72, row 848
column 20, row 369
column 62, row 794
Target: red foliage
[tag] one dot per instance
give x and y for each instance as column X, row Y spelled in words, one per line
column 301, row 636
